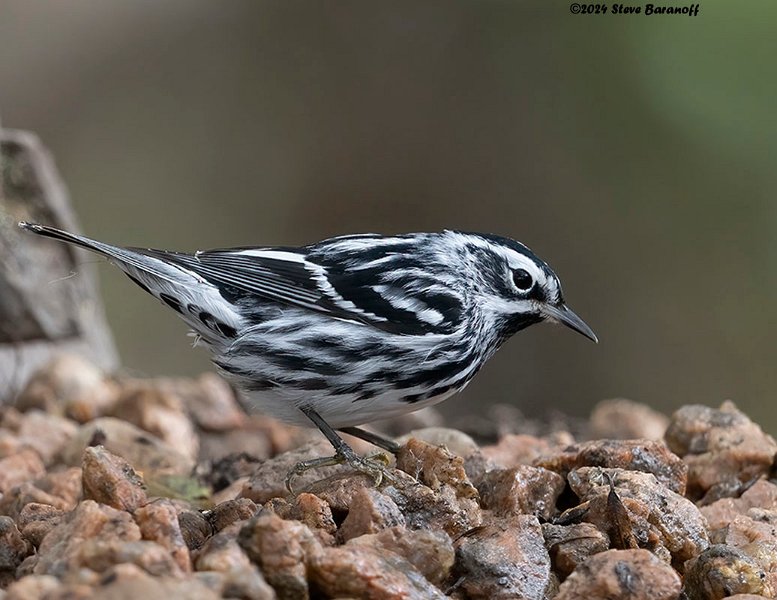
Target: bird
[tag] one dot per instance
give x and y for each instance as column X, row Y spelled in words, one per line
column 352, row 329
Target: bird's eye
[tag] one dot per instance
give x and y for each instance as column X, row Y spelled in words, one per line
column 522, row 280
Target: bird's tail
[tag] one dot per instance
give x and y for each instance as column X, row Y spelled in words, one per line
column 128, row 260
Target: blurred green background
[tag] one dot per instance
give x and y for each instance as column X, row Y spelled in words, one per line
column 635, row 154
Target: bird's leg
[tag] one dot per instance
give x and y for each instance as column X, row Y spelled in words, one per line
column 374, row 466
column 372, row 438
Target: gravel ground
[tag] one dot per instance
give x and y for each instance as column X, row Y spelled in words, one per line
column 125, row 488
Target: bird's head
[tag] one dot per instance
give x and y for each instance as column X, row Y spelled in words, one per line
column 513, row 286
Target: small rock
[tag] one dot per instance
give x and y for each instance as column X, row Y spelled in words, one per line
column 570, row 545
column 195, row 528
column 424, row 508
column 431, row 552
column 160, row 412
column 521, row 490
column 216, row 445
column 455, row 441
column 222, row 552
column 12, row 503
column 762, row 494
column 658, row 518
column 220, row 474
column 46, row 434
column 65, row 484
column 231, row 492
column 211, row 402
column 58, row 552
column 69, row 386
column 632, row 574
column 20, row 468
column 757, row 525
column 245, row 582
column 310, row 510
column 226, row 513
column 720, row 446
column 359, row 571
column 722, row 571
column 33, row 587
column 99, row 555
column 36, row 520
column 622, row 419
column 142, row 450
column 435, row 466
column 370, row 512
column 111, row 480
column 521, row 449
column 505, row 559
column 158, row 522
column 633, row 455
column 128, row 582
column 281, row 549
column 13, row 549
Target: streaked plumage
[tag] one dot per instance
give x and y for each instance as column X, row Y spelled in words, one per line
column 357, row 328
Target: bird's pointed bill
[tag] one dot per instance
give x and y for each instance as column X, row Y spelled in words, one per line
column 564, row 315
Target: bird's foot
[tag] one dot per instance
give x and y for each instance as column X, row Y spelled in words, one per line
column 374, row 465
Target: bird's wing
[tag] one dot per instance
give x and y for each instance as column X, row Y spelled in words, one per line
column 341, row 289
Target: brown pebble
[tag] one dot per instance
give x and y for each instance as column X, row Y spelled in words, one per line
column 431, row 552
column 220, row 474
column 69, row 386
column 632, row 574
column 281, row 549
column 622, row 419
column 36, row 520
column 100, row 555
column 58, row 552
column 20, row 468
column 661, row 519
column 143, row 451
column 425, row 509
column 153, row 408
column 222, row 552
column 633, row 455
column 720, row 446
column 369, row 512
column 65, row 484
column 128, row 582
column 435, row 466
column 521, row 490
column 521, row 449
column 211, row 402
column 505, row 559
column 13, row 548
column 195, row 528
column 158, row 522
column 13, row 502
column 226, row 513
column 357, row 571
column 241, row 582
column 111, row 480
column 46, row 434
column 571, row 545
column 721, row 571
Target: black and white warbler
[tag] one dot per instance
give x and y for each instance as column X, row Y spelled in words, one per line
column 351, row 329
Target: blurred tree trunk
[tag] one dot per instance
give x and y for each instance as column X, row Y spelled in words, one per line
column 49, row 301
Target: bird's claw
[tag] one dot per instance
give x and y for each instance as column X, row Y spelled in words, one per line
column 374, row 465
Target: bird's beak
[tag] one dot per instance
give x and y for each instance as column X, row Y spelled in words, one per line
column 562, row 314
